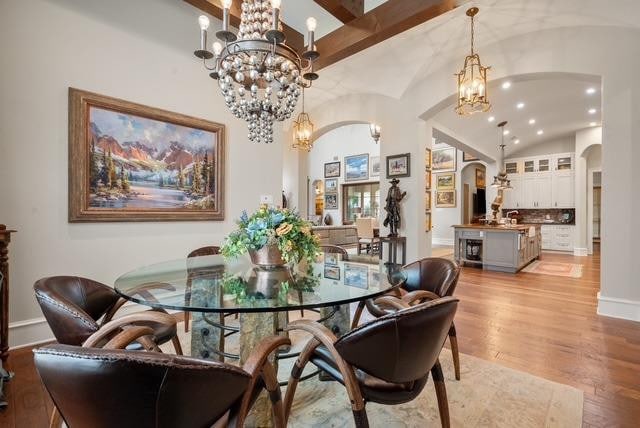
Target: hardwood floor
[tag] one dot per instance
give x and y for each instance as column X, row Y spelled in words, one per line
column 544, row 325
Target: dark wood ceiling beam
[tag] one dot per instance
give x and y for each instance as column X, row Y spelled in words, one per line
column 385, row 21
column 344, row 10
column 214, row 8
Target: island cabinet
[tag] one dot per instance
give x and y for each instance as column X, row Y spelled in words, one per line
column 541, row 182
column 498, row 248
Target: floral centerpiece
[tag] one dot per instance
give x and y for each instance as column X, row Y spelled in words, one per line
column 272, row 237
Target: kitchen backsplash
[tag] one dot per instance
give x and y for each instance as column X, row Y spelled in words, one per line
column 548, row 216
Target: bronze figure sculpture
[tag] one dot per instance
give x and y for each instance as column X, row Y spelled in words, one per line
column 392, row 207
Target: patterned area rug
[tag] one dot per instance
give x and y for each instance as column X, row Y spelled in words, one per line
column 489, row 395
column 569, row 270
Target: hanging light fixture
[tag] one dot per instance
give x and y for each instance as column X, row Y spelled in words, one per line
column 472, row 79
column 374, row 129
column 302, row 130
column 501, row 181
column 260, row 76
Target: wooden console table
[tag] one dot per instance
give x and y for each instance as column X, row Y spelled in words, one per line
column 5, row 238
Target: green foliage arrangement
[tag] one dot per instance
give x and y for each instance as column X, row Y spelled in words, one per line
column 273, row 226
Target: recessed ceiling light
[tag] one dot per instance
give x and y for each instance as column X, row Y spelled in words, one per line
column 592, row 111
column 592, row 124
column 532, row 121
column 540, row 132
column 520, row 105
column 491, row 118
column 590, row 91
column 505, row 132
column 506, row 85
column 516, row 141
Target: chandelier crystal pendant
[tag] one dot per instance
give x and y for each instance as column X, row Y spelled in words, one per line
column 302, row 130
column 472, row 79
column 260, row 76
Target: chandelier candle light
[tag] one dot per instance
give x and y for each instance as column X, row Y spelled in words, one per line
column 375, row 132
column 302, row 130
column 260, row 76
column 472, row 79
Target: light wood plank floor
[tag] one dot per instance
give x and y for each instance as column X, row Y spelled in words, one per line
column 544, row 325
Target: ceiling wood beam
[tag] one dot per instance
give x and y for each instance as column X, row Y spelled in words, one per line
column 385, row 21
column 344, row 10
column 214, row 8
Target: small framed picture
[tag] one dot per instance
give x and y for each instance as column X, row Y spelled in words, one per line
column 446, row 181
column 331, row 259
column 427, row 159
column 427, row 222
column 466, row 157
column 399, row 165
column 356, row 275
column 444, row 160
column 332, row 272
column 427, row 180
column 332, row 169
column 481, row 180
column 427, row 201
column 446, row 198
column 331, row 185
column 374, row 166
column 331, row 201
column 356, row 167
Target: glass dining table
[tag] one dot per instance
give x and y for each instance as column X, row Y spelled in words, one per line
column 212, row 288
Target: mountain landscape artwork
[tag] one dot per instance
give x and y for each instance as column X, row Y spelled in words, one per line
column 145, row 165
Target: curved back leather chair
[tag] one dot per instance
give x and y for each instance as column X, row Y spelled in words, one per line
column 107, row 388
column 73, row 307
column 387, row 360
column 334, row 249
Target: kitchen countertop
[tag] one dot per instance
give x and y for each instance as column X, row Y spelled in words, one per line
column 499, row 227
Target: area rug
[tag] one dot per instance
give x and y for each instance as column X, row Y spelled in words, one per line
column 489, row 395
column 568, row 270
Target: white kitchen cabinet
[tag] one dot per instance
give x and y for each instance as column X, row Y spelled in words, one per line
column 557, row 237
column 536, row 191
column 563, row 189
column 512, row 198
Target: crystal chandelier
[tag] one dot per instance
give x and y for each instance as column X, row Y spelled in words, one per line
column 472, row 79
column 302, row 130
column 374, row 129
column 260, row 76
column 501, row 181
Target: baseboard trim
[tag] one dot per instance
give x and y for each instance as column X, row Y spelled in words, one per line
column 619, row 308
column 580, row 252
column 441, row 241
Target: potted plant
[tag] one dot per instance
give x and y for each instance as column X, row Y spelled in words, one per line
column 272, row 237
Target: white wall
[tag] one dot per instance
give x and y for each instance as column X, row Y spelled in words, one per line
column 565, row 144
column 586, row 139
column 348, row 140
column 139, row 51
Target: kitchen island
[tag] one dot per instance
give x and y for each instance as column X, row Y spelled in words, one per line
column 504, row 248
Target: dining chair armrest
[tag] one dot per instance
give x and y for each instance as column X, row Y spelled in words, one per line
column 391, row 302
column 260, row 368
column 321, row 336
column 129, row 335
column 111, row 312
column 419, row 296
column 129, row 320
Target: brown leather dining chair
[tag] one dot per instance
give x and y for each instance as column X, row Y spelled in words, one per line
column 211, row 250
column 426, row 279
column 386, row 361
column 100, row 388
column 75, row 308
column 334, row 249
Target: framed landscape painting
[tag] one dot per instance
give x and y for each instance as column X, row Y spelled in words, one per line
column 444, row 160
column 332, row 169
column 356, row 167
column 130, row 162
column 446, row 198
column 374, row 166
column 399, row 165
column 481, row 180
column 466, row 157
column 446, row 181
column 331, row 185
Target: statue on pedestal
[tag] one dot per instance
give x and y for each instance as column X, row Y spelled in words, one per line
column 392, row 207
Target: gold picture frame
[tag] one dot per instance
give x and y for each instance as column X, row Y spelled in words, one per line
column 446, row 181
column 446, row 198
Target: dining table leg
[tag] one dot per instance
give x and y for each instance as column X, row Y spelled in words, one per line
column 253, row 328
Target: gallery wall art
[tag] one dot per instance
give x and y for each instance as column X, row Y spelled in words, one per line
column 332, row 169
column 446, row 181
column 444, row 160
column 356, row 167
column 130, row 162
column 399, row 165
column 446, row 198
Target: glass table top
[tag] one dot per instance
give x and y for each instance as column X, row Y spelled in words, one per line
column 213, row 284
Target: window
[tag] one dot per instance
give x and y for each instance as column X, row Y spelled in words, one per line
column 360, row 200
